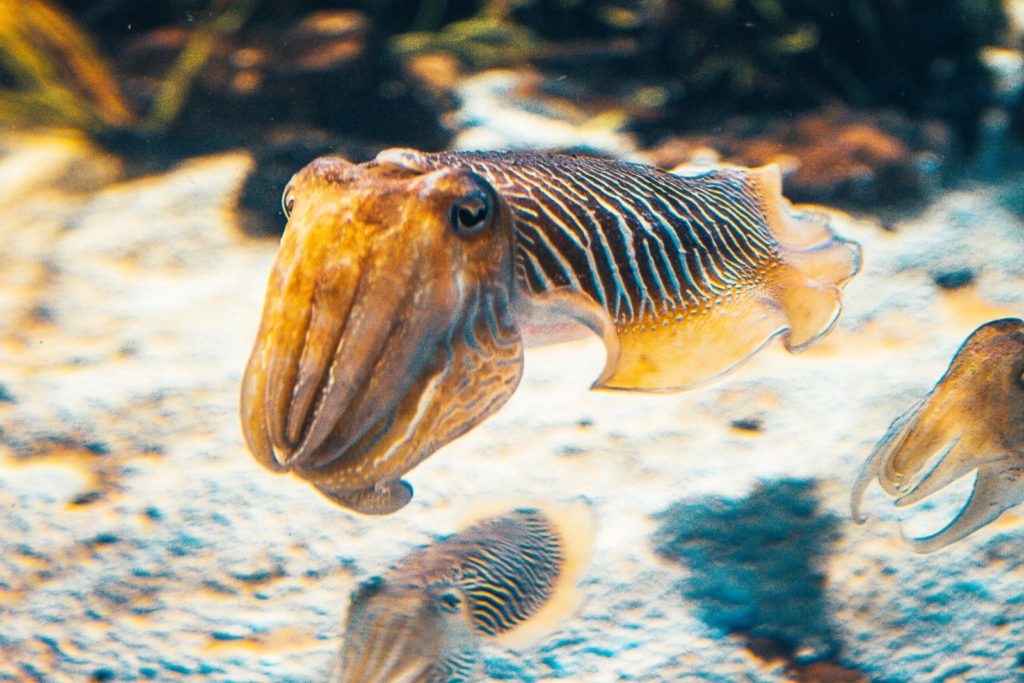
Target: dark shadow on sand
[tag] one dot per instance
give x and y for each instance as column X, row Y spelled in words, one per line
column 756, row 566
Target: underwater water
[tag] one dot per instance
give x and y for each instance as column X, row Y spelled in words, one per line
column 367, row 448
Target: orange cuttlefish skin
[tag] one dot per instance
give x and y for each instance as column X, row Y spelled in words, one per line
column 405, row 288
column 972, row 420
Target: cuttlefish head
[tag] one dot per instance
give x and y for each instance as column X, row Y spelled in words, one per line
column 396, row 632
column 972, row 420
column 387, row 329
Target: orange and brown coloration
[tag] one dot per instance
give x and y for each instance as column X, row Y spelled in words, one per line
column 399, row 302
column 972, row 420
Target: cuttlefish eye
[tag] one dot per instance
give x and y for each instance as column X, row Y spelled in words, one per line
column 473, row 213
column 287, row 201
column 450, row 602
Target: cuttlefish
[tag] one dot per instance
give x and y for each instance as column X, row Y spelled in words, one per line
column 510, row 578
column 405, row 289
column 972, row 420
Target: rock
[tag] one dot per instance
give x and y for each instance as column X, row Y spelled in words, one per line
column 954, row 279
column 834, row 156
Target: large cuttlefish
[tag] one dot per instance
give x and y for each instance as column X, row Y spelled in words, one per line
column 405, row 288
column 510, row 578
column 972, row 420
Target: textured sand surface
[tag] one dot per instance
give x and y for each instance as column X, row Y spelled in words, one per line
column 140, row 541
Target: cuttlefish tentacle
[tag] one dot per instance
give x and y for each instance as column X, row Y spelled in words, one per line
column 415, row 634
column 406, row 287
column 388, row 328
column 382, row 498
column 972, row 420
column 510, row 577
column 996, row 490
column 477, row 368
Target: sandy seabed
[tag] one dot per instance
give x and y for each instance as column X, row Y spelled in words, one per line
column 140, row 541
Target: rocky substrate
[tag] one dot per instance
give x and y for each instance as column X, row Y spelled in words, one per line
column 140, row 541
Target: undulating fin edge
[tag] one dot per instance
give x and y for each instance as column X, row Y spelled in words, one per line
column 799, row 297
column 815, row 262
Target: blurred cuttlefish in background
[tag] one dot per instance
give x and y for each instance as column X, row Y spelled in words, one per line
column 406, row 287
column 510, row 578
column 972, row 420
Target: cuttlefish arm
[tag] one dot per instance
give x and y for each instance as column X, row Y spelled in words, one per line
column 387, row 330
column 972, row 420
column 508, row 578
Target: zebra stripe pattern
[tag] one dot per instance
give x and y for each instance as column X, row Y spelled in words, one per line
column 642, row 242
column 507, row 580
column 507, row 568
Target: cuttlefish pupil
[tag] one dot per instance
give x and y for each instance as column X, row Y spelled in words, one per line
column 405, row 288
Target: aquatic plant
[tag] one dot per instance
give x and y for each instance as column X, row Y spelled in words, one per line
column 503, row 33
column 53, row 74
column 712, row 58
column 227, row 17
column 483, row 41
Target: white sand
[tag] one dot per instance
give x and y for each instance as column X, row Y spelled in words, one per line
column 126, row 314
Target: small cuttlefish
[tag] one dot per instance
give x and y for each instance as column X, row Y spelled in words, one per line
column 972, row 420
column 405, row 288
column 511, row 578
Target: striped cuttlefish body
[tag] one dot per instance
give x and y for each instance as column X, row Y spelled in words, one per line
column 406, row 287
column 972, row 420
column 509, row 578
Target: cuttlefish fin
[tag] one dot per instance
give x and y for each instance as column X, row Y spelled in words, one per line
column 685, row 350
column 573, row 525
column 549, row 311
column 815, row 263
column 797, row 295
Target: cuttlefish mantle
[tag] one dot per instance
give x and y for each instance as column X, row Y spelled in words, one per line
column 973, row 420
column 405, row 289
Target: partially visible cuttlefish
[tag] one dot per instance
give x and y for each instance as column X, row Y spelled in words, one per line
column 510, row 578
column 404, row 288
column 972, row 420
